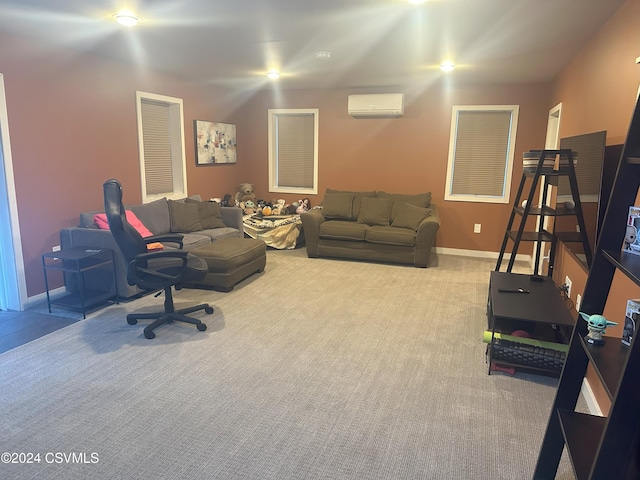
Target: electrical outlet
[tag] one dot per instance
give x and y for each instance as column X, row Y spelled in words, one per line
column 567, row 282
column 578, row 302
column 477, row 227
column 55, row 248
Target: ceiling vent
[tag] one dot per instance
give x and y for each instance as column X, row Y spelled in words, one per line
column 376, row 105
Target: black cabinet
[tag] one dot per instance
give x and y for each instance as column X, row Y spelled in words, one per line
column 602, row 447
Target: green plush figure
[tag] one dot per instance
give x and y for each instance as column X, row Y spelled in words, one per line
column 596, row 324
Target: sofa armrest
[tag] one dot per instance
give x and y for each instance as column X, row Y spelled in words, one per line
column 426, row 236
column 311, row 222
column 232, row 217
column 98, row 238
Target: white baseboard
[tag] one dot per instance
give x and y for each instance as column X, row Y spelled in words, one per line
column 42, row 297
column 592, row 404
column 480, row 254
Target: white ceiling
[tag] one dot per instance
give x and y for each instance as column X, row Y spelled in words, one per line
column 373, row 43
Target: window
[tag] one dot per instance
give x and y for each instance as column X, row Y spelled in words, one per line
column 293, row 151
column 161, row 144
column 481, row 151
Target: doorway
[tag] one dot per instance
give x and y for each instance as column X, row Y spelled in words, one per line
column 550, row 143
column 13, row 290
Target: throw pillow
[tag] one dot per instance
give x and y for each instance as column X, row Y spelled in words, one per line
column 375, row 211
column 399, row 199
column 184, row 217
column 337, row 205
column 100, row 219
column 209, row 212
column 410, row 216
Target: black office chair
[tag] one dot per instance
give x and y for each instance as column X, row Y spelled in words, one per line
column 153, row 270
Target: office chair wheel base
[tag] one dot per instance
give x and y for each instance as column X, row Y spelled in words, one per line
column 149, row 335
column 202, row 327
column 132, row 321
column 208, row 310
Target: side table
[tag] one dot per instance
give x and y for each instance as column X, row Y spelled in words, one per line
column 540, row 310
column 75, row 261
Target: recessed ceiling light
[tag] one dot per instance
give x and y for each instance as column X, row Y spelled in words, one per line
column 447, row 66
column 323, row 55
column 127, row 19
column 273, row 74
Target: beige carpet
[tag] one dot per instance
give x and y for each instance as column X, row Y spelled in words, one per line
column 315, row 369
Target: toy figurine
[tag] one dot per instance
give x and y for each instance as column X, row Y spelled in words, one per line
column 596, row 324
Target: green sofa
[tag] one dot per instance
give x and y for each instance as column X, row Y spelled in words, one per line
column 159, row 217
column 373, row 226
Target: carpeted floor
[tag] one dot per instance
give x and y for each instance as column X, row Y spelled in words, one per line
column 315, row 369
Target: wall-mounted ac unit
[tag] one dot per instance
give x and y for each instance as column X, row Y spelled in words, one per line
column 376, row 105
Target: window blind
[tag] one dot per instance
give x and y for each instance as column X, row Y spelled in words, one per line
column 295, row 150
column 481, row 150
column 156, row 134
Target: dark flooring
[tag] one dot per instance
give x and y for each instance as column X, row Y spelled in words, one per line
column 18, row 328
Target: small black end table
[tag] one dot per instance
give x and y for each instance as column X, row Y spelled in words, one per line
column 76, row 261
column 543, row 308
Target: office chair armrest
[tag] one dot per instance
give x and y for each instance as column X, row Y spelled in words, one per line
column 166, row 238
column 138, row 268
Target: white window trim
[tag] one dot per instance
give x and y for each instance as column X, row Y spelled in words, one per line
column 510, row 154
column 180, row 184
column 272, row 153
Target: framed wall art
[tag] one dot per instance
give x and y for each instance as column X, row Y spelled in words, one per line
column 215, row 142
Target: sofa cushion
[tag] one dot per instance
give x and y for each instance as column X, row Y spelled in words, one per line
column 357, row 198
column 343, row 230
column 338, row 205
column 410, row 216
column 375, row 211
column 154, row 215
column 184, row 217
column 191, row 241
column 100, row 219
column 209, row 212
column 391, row 236
column 419, row 200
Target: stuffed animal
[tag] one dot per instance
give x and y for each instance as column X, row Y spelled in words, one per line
column 277, row 207
column 244, row 193
column 303, row 205
column 248, row 207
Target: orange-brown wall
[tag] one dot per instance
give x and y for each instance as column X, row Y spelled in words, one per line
column 72, row 125
column 407, row 154
column 598, row 92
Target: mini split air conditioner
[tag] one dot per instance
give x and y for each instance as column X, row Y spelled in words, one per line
column 376, row 105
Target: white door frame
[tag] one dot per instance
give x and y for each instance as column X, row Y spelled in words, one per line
column 551, row 142
column 13, row 285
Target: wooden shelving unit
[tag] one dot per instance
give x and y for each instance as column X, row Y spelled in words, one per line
column 602, row 447
column 519, row 234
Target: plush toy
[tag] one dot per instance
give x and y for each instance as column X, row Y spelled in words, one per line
column 248, row 207
column 596, row 325
column 244, row 193
column 303, row 205
column 277, row 207
column 224, row 202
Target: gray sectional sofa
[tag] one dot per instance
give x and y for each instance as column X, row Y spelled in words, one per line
column 201, row 223
column 374, row 226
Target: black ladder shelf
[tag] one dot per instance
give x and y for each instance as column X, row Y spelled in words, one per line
column 602, row 447
column 551, row 177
